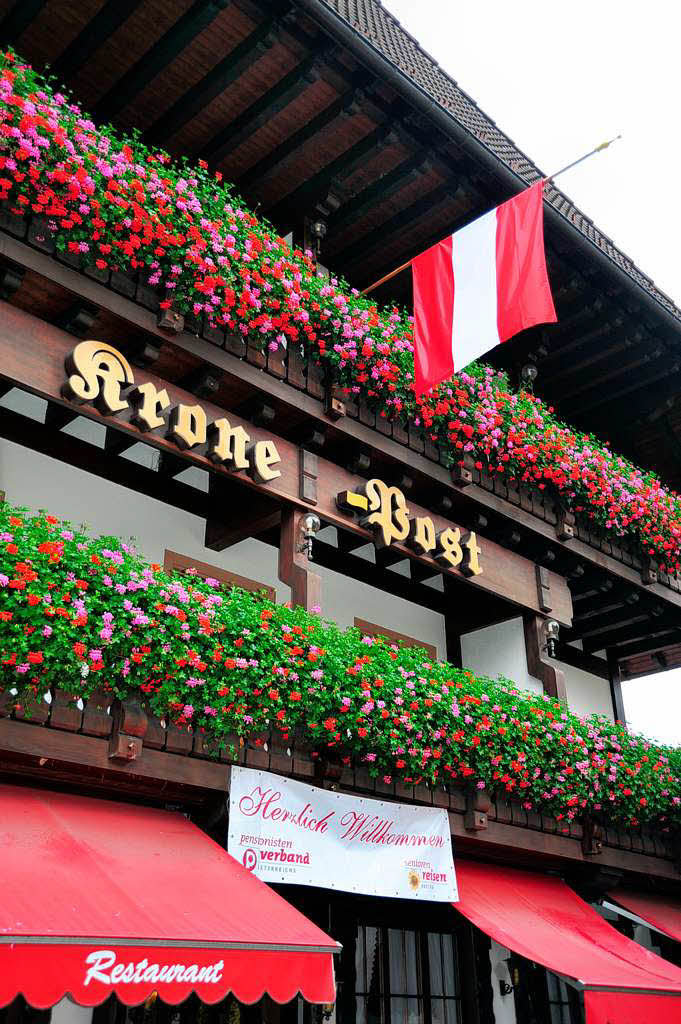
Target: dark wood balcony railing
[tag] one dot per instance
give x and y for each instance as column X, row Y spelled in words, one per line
column 121, row 749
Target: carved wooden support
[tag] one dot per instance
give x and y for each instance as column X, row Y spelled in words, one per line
column 294, row 565
column 565, row 525
column 128, row 732
column 592, row 837
column 462, row 475
column 648, row 573
column 334, row 406
column 543, row 588
column 145, row 353
column 11, row 279
column 170, row 320
column 478, row 803
column 79, row 319
column 539, row 664
column 309, row 465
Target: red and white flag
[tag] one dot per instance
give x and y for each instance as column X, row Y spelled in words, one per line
column 479, row 287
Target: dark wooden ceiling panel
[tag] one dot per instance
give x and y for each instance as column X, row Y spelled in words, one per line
column 266, row 70
column 53, row 26
column 188, row 67
column 317, row 96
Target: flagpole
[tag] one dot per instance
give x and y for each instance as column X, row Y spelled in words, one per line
column 547, row 178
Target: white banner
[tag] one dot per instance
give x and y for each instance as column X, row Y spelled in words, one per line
column 285, row 831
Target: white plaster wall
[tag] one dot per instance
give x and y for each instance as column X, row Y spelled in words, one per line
column 37, row 481
column 503, row 1006
column 499, row 651
column 587, row 694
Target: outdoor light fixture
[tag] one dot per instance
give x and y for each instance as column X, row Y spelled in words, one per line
column 528, row 375
column 318, row 229
column 310, row 525
column 552, row 632
column 505, row 969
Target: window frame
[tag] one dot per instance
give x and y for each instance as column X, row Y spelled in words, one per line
column 173, row 562
column 401, row 639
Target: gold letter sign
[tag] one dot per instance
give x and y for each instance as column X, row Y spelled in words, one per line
column 383, row 510
column 98, row 372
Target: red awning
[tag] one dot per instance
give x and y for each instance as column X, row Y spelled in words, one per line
column 659, row 912
column 101, row 897
column 542, row 919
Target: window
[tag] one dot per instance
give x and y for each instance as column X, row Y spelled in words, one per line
column 564, row 1001
column 174, row 562
column 405, row 977
column 401, row 639
column 541, row 997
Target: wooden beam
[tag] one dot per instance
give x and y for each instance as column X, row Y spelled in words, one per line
column 94, row 34
column 376, row 238
column 317, row 186
column 267, row 106
column 607, row 621
column 18, row 18
column 585, row 662
column 92, row 459
column 655, row 641
column 265, row 169
column 667, row 372
column 364, row 571
column 159, row 56
column 34, row 355
column 294, row 566
column 378, row 192
column 597, row 354
column 620, row 368
column 59, row 416
column 539, row 664
column 444, row 229
column 59, row 754
column 615, row 677
column 624, row 634
column 237, row 513
column 219, row 78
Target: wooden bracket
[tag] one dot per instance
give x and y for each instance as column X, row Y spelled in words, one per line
column 592, row 837
column 648, row 573
column 258, row 412
column 128, row 732
column 334, row 406
column 478, row 803
column 170, row 320
column 144, row 354
column 565, row 525
column 462, row 473
column 11, row 279
column 294, row 566
column 360, row 462
column 204, row 382
column 543, row 588
column 539, row 664
column 309, row 464
column 78, row 319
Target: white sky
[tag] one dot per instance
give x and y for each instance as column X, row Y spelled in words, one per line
column 560, row 79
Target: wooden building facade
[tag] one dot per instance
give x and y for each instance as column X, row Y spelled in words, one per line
column 331, row 120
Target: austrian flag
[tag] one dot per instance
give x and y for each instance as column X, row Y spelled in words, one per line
column 479, row 287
